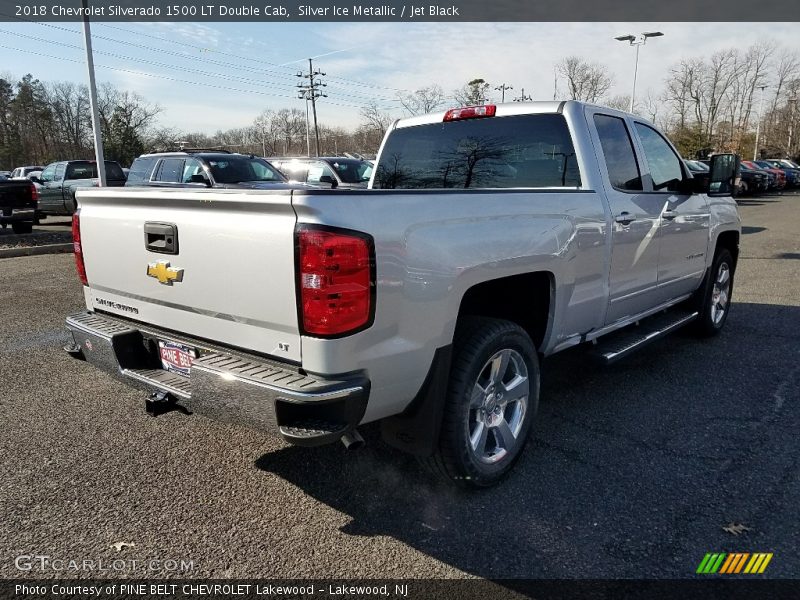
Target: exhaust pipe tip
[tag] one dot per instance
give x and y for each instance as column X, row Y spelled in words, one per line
column 352, row 440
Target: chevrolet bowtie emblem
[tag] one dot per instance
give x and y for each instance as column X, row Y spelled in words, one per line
column 164, row 273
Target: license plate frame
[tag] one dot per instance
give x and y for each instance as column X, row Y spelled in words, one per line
column 175, row 357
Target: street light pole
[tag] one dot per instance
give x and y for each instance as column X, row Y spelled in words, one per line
column 758, row 123
column 96, row 129
column 636, row 40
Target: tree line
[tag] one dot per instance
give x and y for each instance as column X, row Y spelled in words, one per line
column 707, row 103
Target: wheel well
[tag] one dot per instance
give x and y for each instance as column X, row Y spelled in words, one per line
column 730, row 241
column 523, row 299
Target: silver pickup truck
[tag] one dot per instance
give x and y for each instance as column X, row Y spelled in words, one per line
column 490, row 237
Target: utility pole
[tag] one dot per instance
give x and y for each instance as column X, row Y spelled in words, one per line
column 310, row 91
column 502, row 89
column 522, row 97
column 758, row 123
column 96, row 129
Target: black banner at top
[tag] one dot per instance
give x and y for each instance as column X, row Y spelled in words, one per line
column 400, row 10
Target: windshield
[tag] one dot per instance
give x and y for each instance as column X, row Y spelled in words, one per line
column 351, row 171
column 499, row 152
column 239, row 169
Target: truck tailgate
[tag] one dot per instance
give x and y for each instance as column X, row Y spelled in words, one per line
column 230, row 280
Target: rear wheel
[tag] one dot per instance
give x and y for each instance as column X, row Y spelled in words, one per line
column 491, row 402
column 714, row 297
column 22, row 227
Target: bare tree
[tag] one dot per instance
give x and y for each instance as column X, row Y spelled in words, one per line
column 585, row 81
column 473, row 93
column 423, row 100
column 373, row 117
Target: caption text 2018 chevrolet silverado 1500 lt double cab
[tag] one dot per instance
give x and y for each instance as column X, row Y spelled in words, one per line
column 492, row 236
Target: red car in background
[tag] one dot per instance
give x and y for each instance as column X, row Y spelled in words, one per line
column 778, row 174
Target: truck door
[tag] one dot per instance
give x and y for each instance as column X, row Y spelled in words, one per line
column 50, row 199
column 635, row 217
column 684, row 217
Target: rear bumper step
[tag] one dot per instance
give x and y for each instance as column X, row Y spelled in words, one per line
column 224, row 385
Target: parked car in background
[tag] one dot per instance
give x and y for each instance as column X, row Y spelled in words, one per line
column 203, row 168
column 334, row 171
column 59, row 180
column 4, row 175
column 752, row 181
column 772, row 177
column 790, row 168
column 23, row 172
column 780, row 174
column 18, row 200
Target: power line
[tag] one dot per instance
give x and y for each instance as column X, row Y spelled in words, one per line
column 173, row 79
column 229, row 77
column 342, row 80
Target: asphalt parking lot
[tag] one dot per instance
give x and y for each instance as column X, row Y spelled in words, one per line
column 633, row 470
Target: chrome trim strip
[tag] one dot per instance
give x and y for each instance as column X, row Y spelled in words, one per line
column 192, row 309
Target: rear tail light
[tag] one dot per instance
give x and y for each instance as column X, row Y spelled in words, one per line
column 76, row 246
column 470, row 112
column 336, row 280
column 34, row 193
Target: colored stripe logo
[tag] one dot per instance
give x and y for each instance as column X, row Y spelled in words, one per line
column 734, row 563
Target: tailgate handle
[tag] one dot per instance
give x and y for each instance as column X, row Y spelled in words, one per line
column 161, row 237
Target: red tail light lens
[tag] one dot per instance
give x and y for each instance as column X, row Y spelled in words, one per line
column 76, row 246
column 336, row 280
column 34, row 193
column 470, row 112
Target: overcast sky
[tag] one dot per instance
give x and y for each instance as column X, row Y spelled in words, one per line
column 222, row 75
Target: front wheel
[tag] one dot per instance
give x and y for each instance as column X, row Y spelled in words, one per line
column 492, row 397
column 714, row 297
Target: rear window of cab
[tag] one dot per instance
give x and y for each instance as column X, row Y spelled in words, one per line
column 520, row 151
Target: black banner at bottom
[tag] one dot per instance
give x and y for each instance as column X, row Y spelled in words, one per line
column 457, row 589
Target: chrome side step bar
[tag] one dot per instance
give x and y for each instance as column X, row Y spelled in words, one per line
column 627, row 341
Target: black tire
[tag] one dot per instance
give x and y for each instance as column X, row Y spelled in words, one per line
column 707, row 299
column 22, row 226
column 478, row 340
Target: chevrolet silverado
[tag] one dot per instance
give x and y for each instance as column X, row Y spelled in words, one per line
column 491, row 237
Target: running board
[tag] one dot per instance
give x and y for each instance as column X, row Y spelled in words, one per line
column 630, row 339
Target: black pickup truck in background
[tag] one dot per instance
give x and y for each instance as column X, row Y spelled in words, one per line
column 59, row 180
column 18, row 200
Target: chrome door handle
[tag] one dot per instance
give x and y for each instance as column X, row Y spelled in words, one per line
column 669, row 214
column 625, row 218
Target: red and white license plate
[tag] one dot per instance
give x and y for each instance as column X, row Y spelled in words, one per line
column 176, row 357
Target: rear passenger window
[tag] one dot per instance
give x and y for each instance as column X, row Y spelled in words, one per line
column 623, row 170
column 171, row 170
column 665, row 166
column 520, row 151
column 140, row 170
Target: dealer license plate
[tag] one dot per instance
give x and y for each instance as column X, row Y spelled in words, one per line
column 176, row 357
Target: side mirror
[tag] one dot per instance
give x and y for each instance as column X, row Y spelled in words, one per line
column 199, row 178
column 724, row 175
column 35, row 179
column 329, row 180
